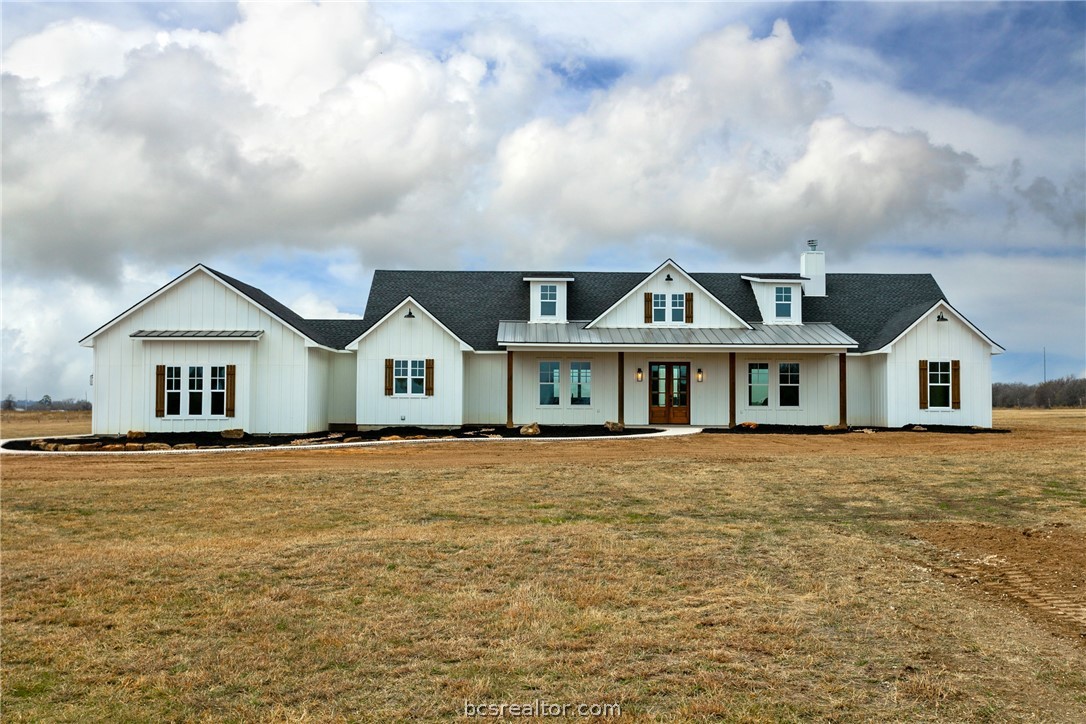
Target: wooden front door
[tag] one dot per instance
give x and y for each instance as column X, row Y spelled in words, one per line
column 669, row 393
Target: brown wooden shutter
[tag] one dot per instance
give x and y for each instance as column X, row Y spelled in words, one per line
column 923, row 384
column 231, row 377
column 429, row 378
column 648, row 307
column 956, row 384
column 388, row 378
column 690, row 307
column 160, row 390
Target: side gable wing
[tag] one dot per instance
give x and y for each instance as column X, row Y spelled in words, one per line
column 410, row 305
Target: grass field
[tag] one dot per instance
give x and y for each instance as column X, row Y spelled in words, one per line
column 891, row 576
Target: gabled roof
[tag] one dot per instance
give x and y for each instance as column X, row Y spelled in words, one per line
column 872, row 309
column 650, row 275
column 409, row 302
column 331, row 333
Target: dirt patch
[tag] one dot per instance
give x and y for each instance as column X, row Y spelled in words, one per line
column 1041, row 570
column 215, row 439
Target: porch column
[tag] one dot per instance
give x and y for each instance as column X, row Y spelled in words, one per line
column 509, row 388
column 842, row 389
column 621, row 388
column 731, row 390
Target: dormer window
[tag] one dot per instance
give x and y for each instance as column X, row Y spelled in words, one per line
column 659, row 307
column 784, row 302
column 548, row 300
column 678, row 307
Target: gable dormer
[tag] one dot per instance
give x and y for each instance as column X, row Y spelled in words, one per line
column 780, row 300
column 668, row 297
column 549, row 295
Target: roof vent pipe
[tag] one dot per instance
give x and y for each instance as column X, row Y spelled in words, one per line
column 812, row 266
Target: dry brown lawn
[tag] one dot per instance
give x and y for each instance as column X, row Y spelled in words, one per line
column 892, row 576
column 28, row 424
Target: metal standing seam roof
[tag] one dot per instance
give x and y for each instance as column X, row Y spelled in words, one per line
column 203, row 333
column 805, row 335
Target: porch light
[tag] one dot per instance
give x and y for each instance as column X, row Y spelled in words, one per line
column 701, row 375
column 410, row 315
column 640, row 374
column 668, row 278
column 941, row 318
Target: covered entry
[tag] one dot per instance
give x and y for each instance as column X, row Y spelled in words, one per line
column 669, row 393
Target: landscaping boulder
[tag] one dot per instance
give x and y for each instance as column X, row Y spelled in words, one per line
column 133, row 446
column 157, row 446
column 113, row 447
column 614, row 426
column 234, row 434
column 749, row 425
column 185, row 446
column 391, row 437
column 532, row 428
column 136, row 434
column 352, row 439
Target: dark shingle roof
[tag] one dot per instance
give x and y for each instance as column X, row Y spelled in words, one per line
column 335, row 333
column 871, row 308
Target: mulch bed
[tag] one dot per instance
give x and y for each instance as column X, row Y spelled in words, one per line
column 216, row 440
column 835, row 430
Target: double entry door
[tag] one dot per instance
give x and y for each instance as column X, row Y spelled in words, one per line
column 669, row 393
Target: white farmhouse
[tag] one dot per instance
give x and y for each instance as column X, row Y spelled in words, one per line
column 440, row 348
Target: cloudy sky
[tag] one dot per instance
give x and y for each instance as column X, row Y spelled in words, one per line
column 300, row 146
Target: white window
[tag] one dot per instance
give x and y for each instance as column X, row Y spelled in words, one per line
column 659, row 307
column 783, row 297
column 195, row 391
column 758, row 384
column 580, row 383
column 548, row 300
column 678, row 307
column 218, row 390
column 173, row 391
column 788, row 384
column 549, row 381
column 939, row 385
column 408, row 377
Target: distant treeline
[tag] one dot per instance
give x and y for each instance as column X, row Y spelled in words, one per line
column 45, row 403
column 1064, row 392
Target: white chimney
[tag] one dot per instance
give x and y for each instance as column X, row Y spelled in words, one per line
column 812, row 264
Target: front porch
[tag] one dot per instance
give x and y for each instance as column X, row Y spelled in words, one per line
column 647, row 386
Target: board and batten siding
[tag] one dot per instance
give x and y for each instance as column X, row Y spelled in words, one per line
column 270, row 387
column 819, row 403
column 419, row 338
column 631, row 311
column 342, row 378
column 316, row 397
column 484, row 388
column 708, row 399
column 866, row 390
column 940, row 341
column 765, row 294
column 604, row 390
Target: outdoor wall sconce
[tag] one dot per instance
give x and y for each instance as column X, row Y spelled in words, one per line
column 941, row 318
column 668, row 278
column 640, row 374
column 701, row 375
column 409, row 315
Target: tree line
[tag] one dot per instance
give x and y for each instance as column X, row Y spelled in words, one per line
column 1063, row 392
column 45, row 403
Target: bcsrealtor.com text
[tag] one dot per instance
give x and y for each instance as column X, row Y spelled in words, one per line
column 541, row 708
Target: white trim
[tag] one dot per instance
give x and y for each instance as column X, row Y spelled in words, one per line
column 947, row 306
column 649, row 277
column 353, row 344
column 548, row 279
column 773, row 280
column 198, row 339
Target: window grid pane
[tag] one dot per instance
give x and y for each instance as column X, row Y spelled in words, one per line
column 548, row 383
column 758, row 384
column 580, row 377
column 659, row 307
column 788, row 384
column 678, row 307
